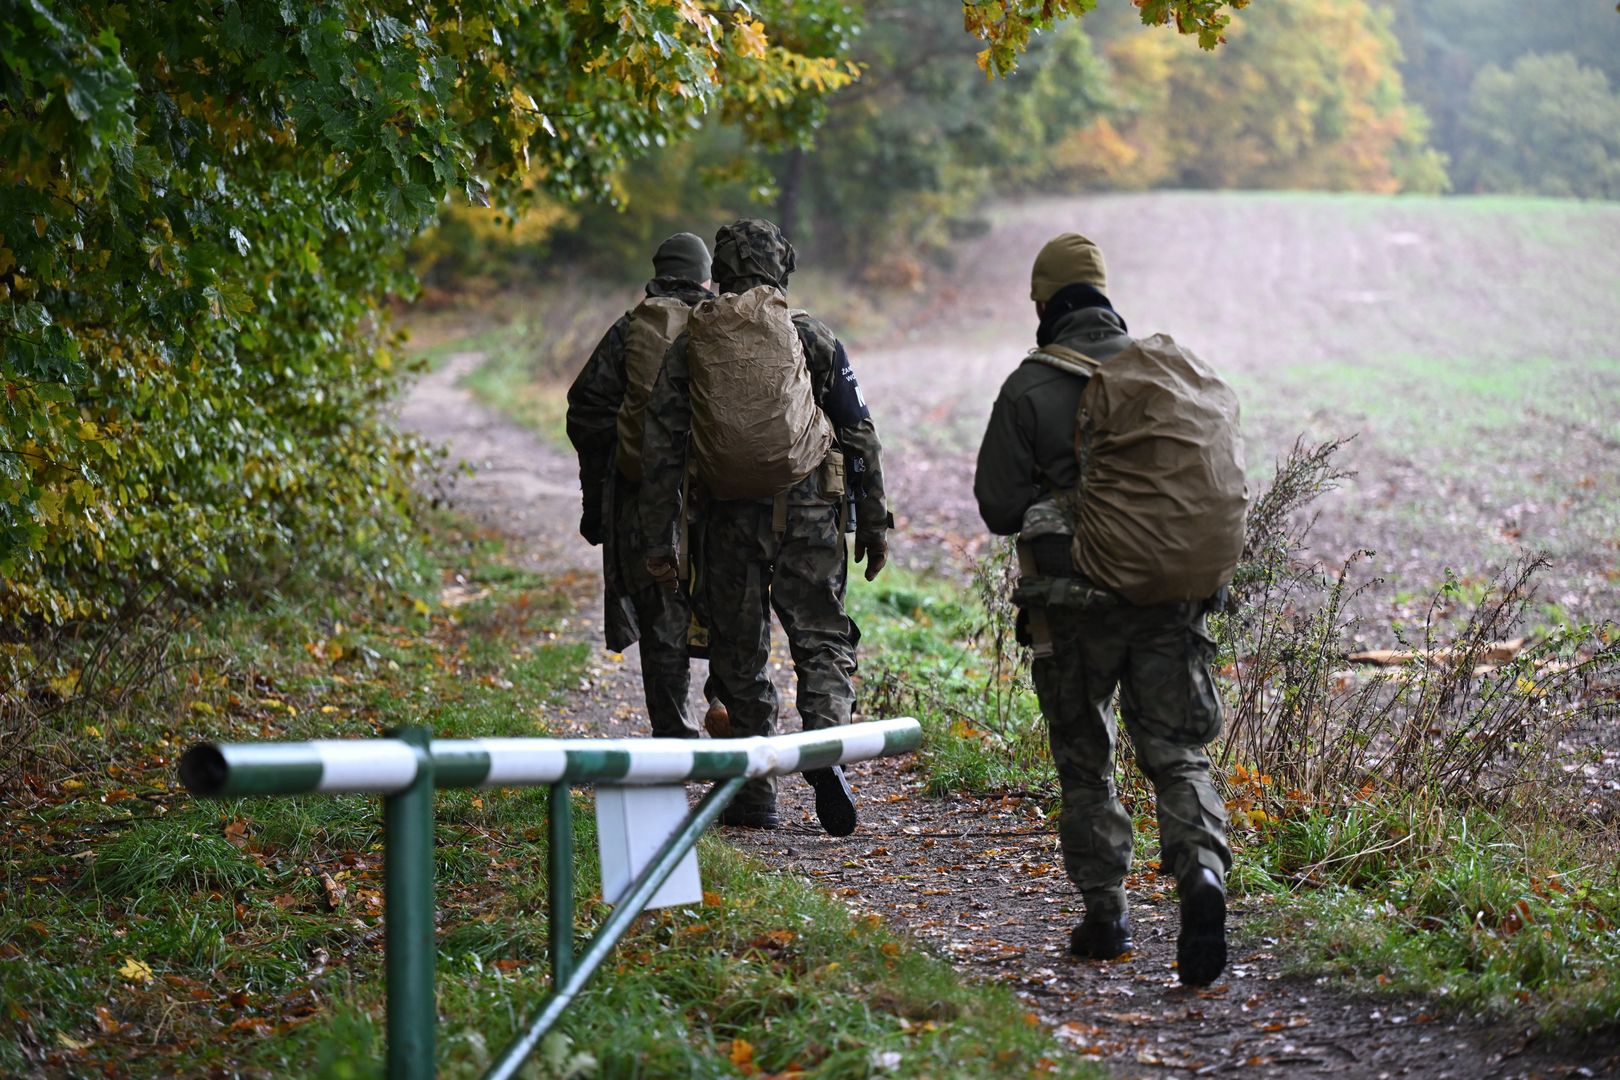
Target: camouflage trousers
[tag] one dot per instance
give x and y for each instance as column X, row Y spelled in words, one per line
column 1158, row 659
column 661, row 618
column 747, row 569
column 666, row 669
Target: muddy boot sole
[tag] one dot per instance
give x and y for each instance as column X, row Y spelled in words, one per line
column 1201, row 948
column 835, row 803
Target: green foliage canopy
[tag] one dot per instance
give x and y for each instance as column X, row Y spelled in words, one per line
column 203, row 206
column 906, row 156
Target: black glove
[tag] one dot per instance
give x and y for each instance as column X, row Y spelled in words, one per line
column 590, row 526
column 875, row 551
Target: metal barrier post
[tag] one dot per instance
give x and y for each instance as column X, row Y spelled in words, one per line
column 629, row 907
column 561, row 859
column 408, row 917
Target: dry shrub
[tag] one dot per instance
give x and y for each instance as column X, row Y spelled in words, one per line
column 994, row 578
column 1473, row 720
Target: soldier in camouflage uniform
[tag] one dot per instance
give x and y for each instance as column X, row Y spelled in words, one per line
column 748, row 563
column 1157, row 657
column 636, row 606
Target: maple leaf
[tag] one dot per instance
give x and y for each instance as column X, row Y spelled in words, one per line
column 136, row 971
column 750, row 37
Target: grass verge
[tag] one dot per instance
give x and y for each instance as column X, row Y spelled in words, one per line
column 146, row 933
column 1486, row 915
column 927, row 650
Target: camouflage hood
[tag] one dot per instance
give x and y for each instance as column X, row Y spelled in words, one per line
column 751, row 252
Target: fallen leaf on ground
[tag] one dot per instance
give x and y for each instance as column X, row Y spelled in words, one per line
column 136, row 971
column 335, row 893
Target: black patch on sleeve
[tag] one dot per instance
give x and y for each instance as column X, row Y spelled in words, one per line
column 845, row 405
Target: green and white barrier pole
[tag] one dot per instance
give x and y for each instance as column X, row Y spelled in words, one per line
column 407, row 768
column 386, row 766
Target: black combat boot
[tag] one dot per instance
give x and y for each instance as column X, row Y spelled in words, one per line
column 1102, row 937
column 750, row 817
column 1201, row 948
column 835, row 803
column 754, row 807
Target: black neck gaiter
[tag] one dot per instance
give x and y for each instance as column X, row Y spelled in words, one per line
column 1068, row 299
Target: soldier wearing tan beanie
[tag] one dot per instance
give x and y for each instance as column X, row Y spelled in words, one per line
column 1069, row 259
column 1158, row 655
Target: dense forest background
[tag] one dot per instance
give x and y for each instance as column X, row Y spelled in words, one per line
column 1386, row 96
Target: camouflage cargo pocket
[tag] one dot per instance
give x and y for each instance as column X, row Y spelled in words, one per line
column 1168, row 688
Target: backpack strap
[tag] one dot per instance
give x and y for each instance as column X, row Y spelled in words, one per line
column 779, row 514
column 1065, row 359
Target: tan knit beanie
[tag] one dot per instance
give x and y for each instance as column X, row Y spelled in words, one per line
column 1066, row 260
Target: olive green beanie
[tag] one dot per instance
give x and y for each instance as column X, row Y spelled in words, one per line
column 1067, row 260
column 683, row 256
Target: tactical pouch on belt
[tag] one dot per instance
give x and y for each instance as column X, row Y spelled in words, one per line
column 1031, row 628
column 1047, row 579
column 1045, row 560
column 832, row 474
column 833, row 485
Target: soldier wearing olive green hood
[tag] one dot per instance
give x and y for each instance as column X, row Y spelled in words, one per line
column 1156, row 656
column 784, row 552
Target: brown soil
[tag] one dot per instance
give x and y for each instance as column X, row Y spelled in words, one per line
column 978, row 880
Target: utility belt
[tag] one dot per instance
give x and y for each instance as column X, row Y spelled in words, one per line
column 829, row 482
column 1074, row 593
column 1048, row 578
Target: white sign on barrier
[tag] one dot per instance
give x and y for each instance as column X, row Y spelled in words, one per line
column 632, row 823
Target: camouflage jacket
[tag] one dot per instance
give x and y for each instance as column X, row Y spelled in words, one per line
column 593, row 407
column 1028, row 447
column 837, row 392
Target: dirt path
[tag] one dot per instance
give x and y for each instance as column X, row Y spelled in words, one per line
column 978, row 880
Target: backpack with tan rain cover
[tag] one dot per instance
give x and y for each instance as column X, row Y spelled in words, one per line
column 1158, row 512
column 756, row 428
column 654, row 325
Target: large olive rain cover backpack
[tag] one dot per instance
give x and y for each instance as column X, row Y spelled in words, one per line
column 756, row 428
column 1162, row 495
column 654, row 325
